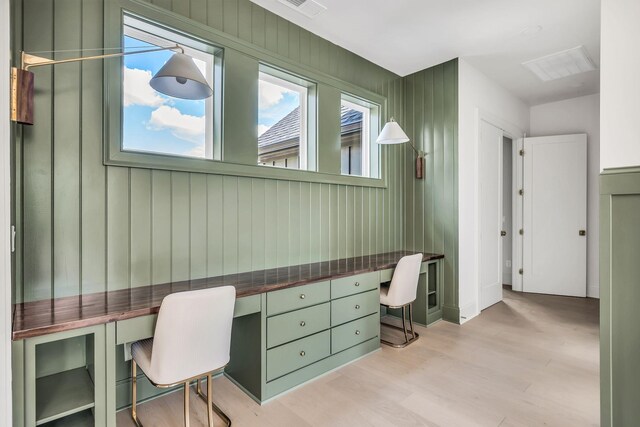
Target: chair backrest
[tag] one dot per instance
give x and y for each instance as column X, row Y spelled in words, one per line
column 193, row 334
column 404, row 283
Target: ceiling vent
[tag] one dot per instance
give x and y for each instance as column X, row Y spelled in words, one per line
column 561, row 64
column 309, row 8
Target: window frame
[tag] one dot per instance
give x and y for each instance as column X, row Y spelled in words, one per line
column 231, row 49
column 136, row 28
column 369, row 151
column 306, row 90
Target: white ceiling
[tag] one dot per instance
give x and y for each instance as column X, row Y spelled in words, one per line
column 495, row 36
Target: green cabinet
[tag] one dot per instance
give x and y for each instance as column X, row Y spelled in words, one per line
column 354, row 333
column 297, row 354
column 297, row 324
column 355, row 306
column 297, row 298
column 619, row 297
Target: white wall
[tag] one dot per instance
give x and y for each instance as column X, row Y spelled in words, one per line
column 579, row 115
column 5, row 218
column 620, row 84
column 477, row 96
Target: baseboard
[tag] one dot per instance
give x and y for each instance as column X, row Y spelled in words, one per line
column 451, row 314
column 468, row 312
column 593, row 291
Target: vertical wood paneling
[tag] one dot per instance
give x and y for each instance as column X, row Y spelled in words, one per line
column 140, row 220
column 93, row 185
column 257, row 224
column 88, row 228
column 198, row 224
column 160, row 227
column 180, row 226
column 230, row 223
column 118, row 217
column 245, row 230
column 431, row 208
column 66, row 148
column 215, row 225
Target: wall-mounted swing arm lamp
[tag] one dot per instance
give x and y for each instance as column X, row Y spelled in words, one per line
column 392, row 133
column 179, row 77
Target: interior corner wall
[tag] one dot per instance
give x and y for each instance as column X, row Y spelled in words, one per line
column 477, row 94
column 579, row 115
column 619, row 84
column 430, row 204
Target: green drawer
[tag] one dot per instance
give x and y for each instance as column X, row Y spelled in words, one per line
column 354, row 284
column 297, row 324
column 353, row 333
column 296, row 298
column 298, row 354
column 347, row 309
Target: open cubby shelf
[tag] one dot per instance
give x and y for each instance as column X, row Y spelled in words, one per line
column 63, row 394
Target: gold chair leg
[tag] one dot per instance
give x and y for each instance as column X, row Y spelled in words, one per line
column 212, row 406
column 404, row 324
column 134, row 393
column 407, row 340
column 186, row 404
column 413, row 330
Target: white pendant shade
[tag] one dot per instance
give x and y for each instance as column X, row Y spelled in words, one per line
column 181, row 78
column 392, row 133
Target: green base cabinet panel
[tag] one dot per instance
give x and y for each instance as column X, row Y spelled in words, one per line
column 291, row 326
column 354, row 333
column 298, row 354
column 619, row 297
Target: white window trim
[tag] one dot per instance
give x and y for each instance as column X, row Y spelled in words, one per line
column 303, row 92
column 133, row 28
column 365, row 150
column 5, row 221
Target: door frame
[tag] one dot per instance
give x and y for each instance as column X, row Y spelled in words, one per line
column 516, row 135
column 5, row 218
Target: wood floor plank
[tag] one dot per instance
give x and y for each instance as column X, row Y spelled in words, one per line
column 531, row 360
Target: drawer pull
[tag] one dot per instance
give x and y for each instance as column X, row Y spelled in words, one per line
column 302, row 296
column 357, row 332
column 302, row 323
column 302, row 353
column 357, row 306
column 357, row 283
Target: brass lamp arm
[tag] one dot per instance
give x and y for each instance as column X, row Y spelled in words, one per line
column 418, row 152
column 30, row 61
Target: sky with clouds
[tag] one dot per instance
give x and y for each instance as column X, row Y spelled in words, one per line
column 155, row 122
column 274, row 103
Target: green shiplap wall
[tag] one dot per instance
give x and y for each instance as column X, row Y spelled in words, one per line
column 83, row 227
column 431, row 204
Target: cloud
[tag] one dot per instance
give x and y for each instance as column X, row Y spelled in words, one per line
column 197, row 151
column 137, row 90
column 270, row 94
column 262, row 129
column 183, row 126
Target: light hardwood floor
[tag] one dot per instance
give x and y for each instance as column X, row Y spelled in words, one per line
column 530, row 360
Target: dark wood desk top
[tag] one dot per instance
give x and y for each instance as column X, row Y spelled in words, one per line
column 55, row 315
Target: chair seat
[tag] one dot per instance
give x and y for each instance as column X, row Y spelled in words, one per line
column 141, row 353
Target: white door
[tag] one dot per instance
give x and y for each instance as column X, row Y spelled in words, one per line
column 490, row 205
column 555, row 215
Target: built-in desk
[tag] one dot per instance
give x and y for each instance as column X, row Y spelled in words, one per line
column 291, row 324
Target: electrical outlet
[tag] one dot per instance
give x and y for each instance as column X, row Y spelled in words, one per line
column 508, row 263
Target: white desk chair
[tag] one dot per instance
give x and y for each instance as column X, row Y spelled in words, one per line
column 402, row 292
column 192, row 340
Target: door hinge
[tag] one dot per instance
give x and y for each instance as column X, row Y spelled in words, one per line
column 521, row 231
column 521, row 271
column 521, row 192
column 522, row 152
column 13, row 238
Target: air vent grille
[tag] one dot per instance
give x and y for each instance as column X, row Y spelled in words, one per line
column 294, row 3
column 561, row 64
column 309, row 8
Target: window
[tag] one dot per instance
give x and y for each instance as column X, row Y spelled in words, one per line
column 156, row 123
column 355, row 146
column 282, row 120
